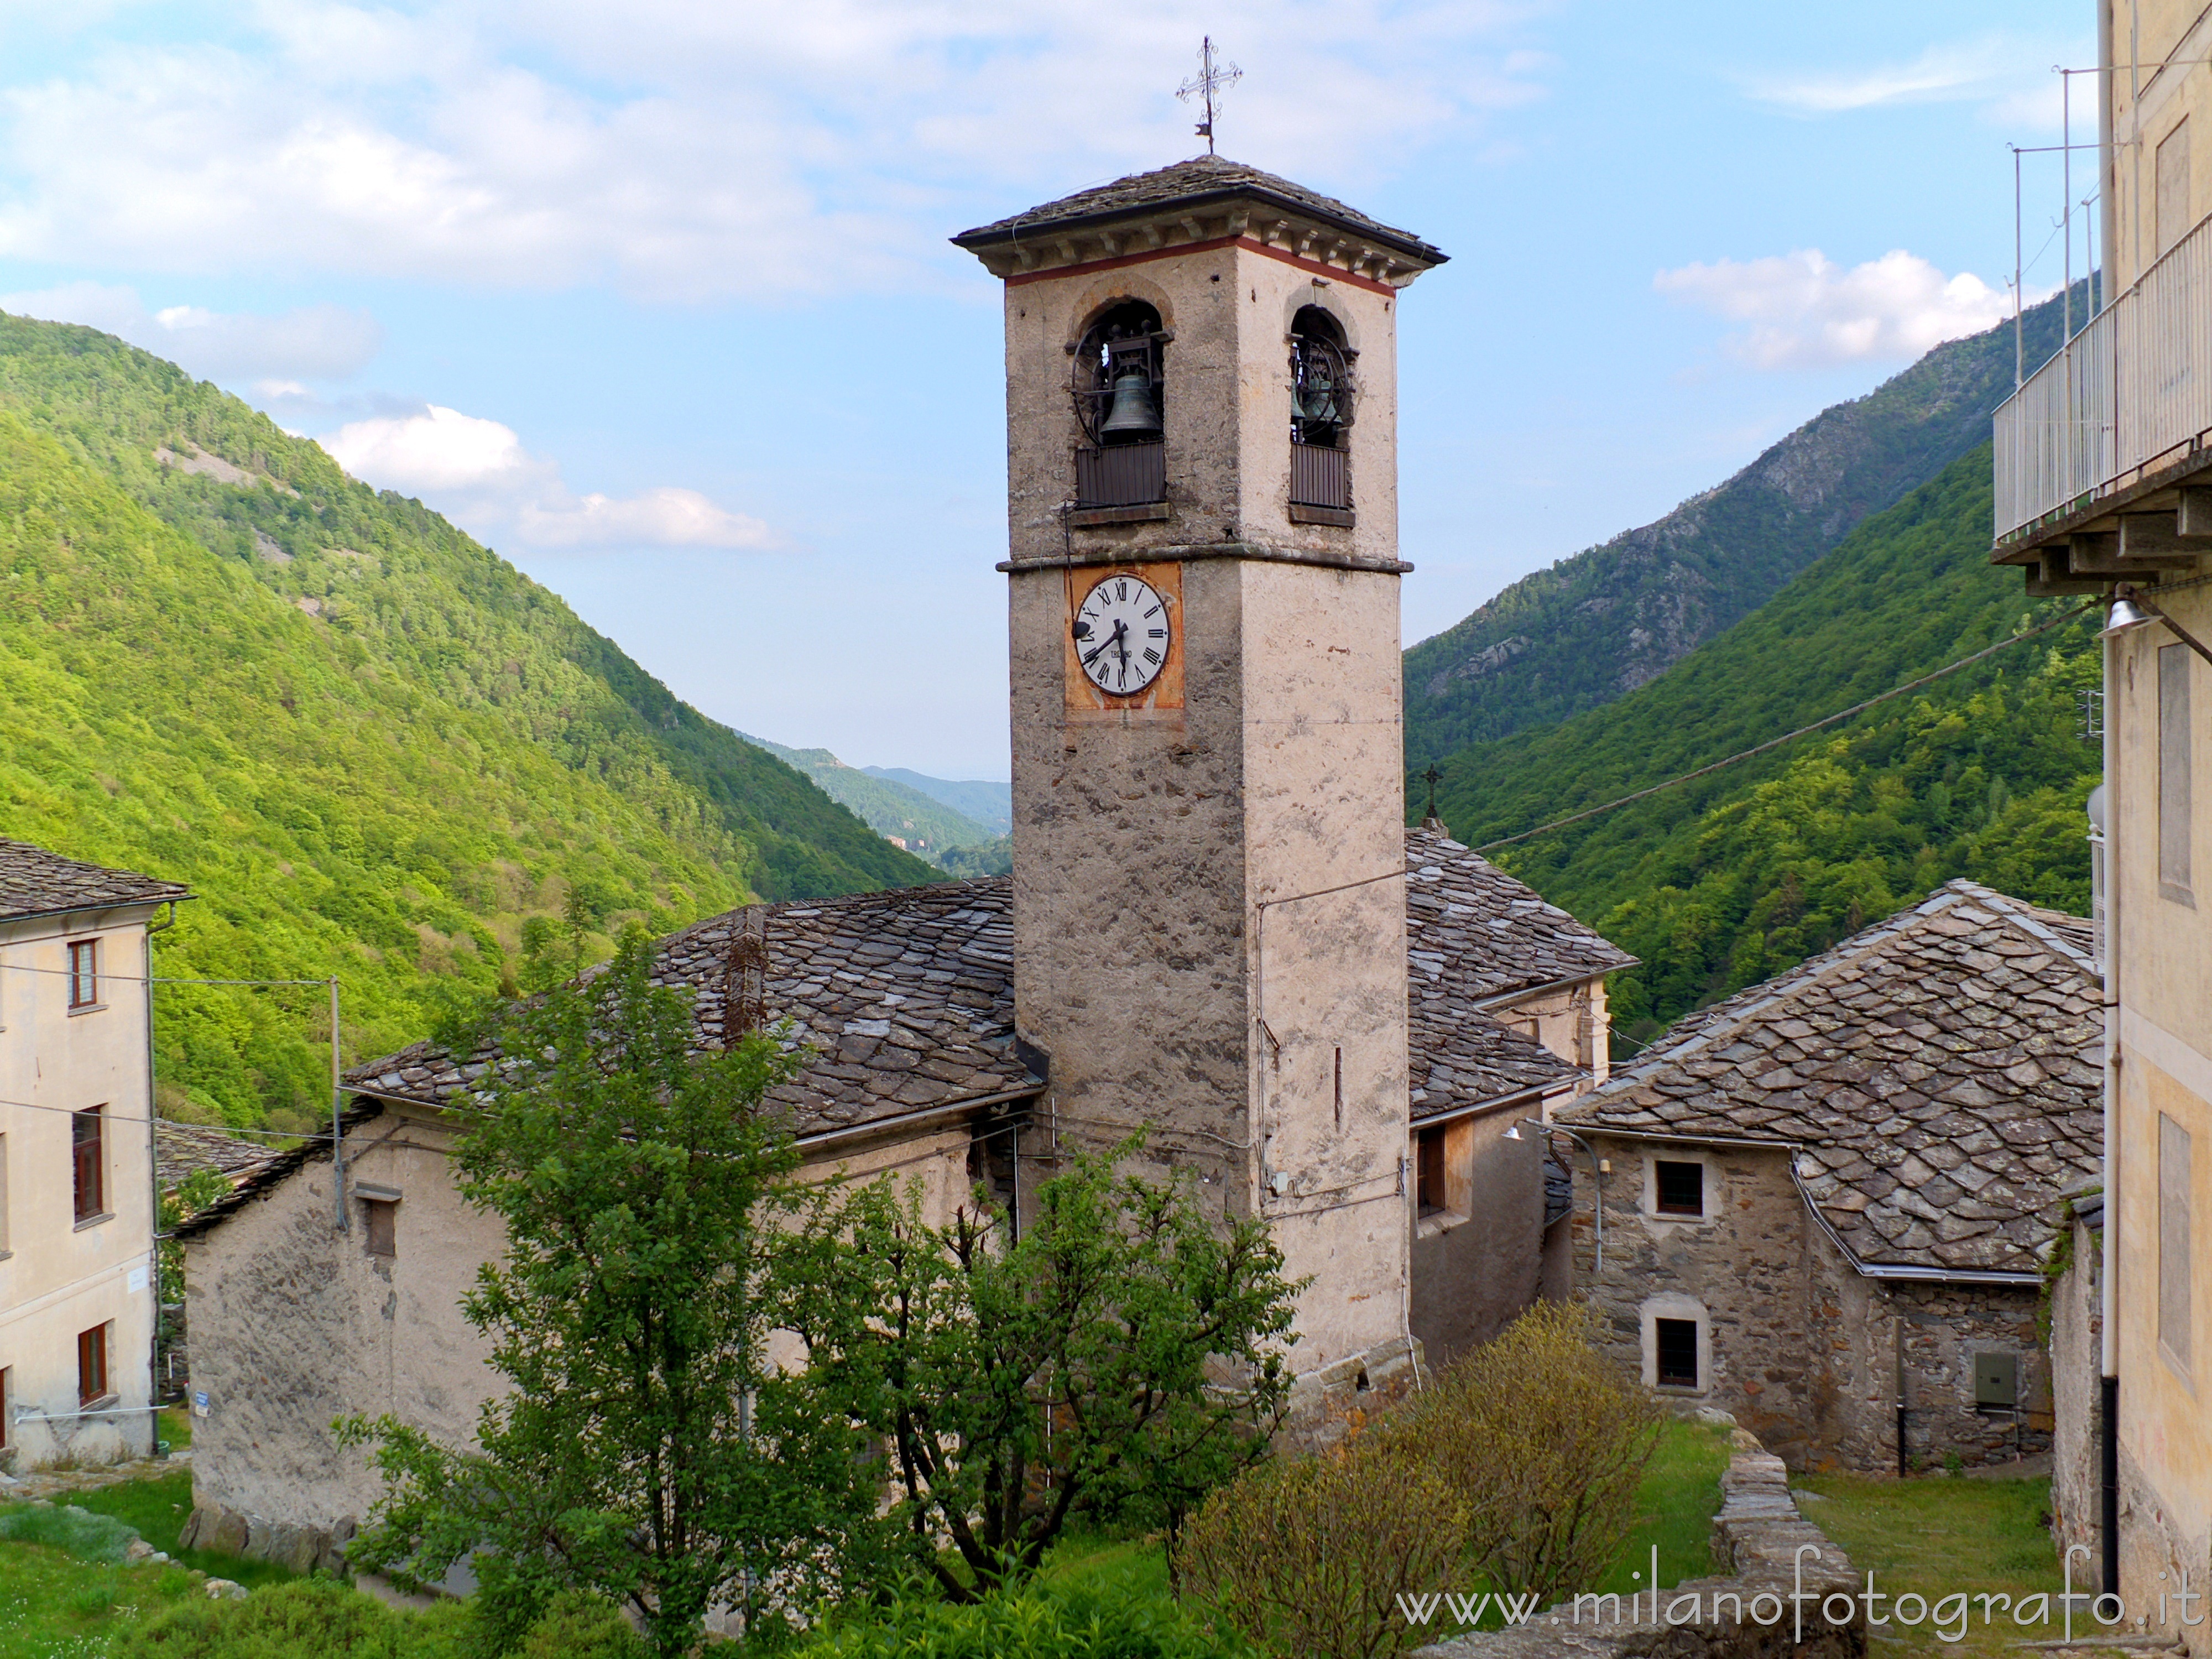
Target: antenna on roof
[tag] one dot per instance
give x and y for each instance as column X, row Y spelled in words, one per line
column 1214, row 76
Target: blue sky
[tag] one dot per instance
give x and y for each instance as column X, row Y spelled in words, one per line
column 655, row 299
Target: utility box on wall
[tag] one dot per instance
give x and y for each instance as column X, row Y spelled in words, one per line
column 1997, row 1379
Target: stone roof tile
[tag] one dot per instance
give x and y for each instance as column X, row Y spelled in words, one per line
column 36, row 883
column 1946, row 1149
column 906, row 997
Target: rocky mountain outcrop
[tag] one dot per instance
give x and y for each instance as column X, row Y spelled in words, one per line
column 1599, row 624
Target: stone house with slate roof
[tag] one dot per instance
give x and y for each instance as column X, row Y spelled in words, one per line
column 76, row 1178
column 1828, row 1199
column 907, row 999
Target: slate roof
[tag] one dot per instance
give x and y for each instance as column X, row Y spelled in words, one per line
column 908, row 994
column 1504, row 939
column 36, row 883
column 1201, row 179
column 181, row 1148
column 1939, row 1072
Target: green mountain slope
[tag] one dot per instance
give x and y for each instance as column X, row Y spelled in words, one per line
column 886, row 805
column 991, row 805
column 374, row 748
column 1595, row 626
column 1719, row 883
column 422, row 596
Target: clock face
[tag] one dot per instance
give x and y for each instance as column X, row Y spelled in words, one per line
column 1121, row 636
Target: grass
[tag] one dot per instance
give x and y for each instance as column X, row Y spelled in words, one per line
column 1936, row 1537
column 157, row 1508
column 53, row 1606
column 1674, row 1510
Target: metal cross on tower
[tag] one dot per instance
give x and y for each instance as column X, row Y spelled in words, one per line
column 1433, row 777
column 1214, row 76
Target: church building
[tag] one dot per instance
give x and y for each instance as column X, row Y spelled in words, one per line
column 1217, row 930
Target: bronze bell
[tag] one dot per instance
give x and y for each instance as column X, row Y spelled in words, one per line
column 1133, row 418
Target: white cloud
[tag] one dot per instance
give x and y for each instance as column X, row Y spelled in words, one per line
column 1804, row 310
column 311, row 342
column 477, row 471
column 2011, row 78
column 677, row 149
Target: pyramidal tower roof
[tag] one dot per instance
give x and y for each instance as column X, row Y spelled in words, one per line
column 1202, row 190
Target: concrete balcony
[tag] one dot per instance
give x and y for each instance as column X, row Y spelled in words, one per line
column 2104, row 458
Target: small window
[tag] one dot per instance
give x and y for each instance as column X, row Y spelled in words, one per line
column 91, row 1366
column 1429, row 1172
column 88, row 1161
column 383, row 1229
column 1677, row 1343
column 2174, row 1239
column 2173, row 758
column 1681, row 1188
column 84, row 974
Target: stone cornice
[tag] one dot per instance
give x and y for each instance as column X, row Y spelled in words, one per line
column 1190, row 553
column 1235, row 218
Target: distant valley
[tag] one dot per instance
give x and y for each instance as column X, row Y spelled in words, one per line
column 961, row 827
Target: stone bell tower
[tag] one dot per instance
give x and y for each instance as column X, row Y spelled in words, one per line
column 1210, row 936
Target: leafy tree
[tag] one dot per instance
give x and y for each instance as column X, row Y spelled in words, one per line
column 651, row 1451
column 1117, row 1360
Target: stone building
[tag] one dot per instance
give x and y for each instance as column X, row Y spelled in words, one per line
column 1507, row 1012
column 2104, row 487
column 1827, row 1200
column 907, row 999
column 76, row 1178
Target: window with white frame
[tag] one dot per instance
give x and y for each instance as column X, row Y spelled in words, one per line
column 83, row 974
column 1678, row 1355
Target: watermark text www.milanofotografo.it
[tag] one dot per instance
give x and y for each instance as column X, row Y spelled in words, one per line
column 1947, row 1616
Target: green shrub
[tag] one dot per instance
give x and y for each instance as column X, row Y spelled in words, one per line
column 1545, row 1442
column 316, row 1616
column 1040, row 1621
column 66, row 1527
column 1309, row 1556
column 580, row 1626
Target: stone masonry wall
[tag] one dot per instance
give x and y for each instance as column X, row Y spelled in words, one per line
column 2077, row 1327
column 1799, row 1347
column 1743, row 1272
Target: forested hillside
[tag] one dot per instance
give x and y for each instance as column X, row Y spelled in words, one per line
column 886, row 805
column 375, row 749
column 1720, row 882
column 1595, row 626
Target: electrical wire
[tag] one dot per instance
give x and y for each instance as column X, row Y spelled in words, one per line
column 1776, row 743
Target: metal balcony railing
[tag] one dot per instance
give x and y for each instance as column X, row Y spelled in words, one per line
column 2131, row 389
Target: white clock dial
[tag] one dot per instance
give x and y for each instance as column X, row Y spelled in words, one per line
column 1121, row 636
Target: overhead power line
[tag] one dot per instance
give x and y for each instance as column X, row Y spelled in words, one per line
column 1776, row 743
